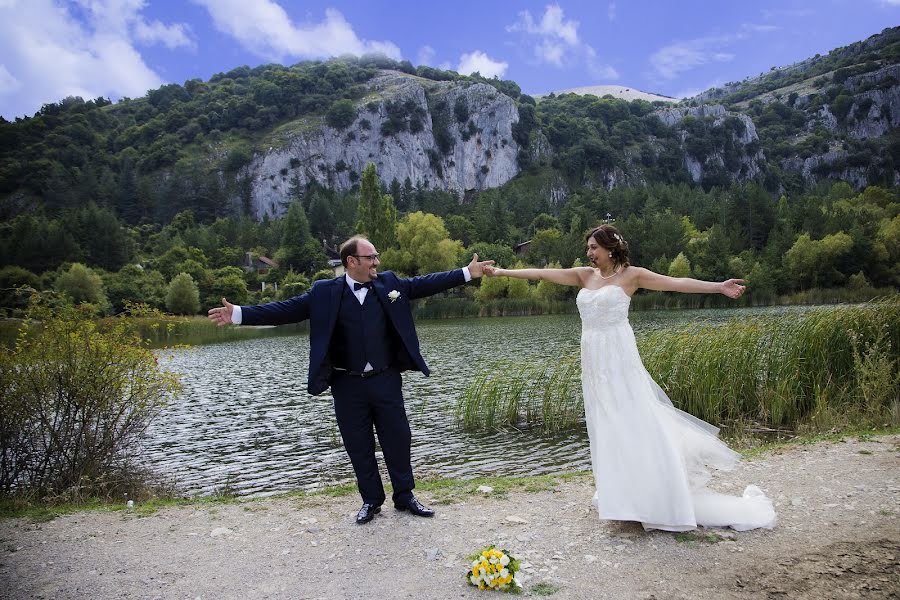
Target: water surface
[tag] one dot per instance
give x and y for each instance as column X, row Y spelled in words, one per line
column 244, row 419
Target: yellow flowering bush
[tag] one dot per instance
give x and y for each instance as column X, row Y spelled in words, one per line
column 493, row 569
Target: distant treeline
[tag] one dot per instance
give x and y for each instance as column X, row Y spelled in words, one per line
column 830, row 237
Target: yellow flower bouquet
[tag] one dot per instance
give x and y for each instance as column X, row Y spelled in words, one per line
column 493, row 569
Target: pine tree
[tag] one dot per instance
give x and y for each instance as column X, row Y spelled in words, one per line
column 377, row 216
column 298, row 251
column 321, row 218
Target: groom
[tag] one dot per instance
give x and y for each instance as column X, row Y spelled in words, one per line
column 361, row 337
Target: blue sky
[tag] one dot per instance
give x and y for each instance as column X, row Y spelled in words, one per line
column 53, row 48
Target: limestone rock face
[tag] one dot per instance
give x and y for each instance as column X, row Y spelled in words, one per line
column 875, row 113
column 477, row 152
column 748, row 165
column 673, row 116
column 807, row 167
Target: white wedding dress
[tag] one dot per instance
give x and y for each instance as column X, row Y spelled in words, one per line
column 650, row 460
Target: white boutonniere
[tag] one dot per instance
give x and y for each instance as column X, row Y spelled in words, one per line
column 393, row 295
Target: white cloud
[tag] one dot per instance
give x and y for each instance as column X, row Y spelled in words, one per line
column 602, row 72
column 425, row 56
column 481, row 62
column 554, row 41
column 788, row 13
column 611, row 11
column 171, row 36
column 550, row 38
column 264, row 28
column 671, row 61
column 8, row 83
column 748, row 28
column 118, row 17
column 553, row 25
column 51, row 51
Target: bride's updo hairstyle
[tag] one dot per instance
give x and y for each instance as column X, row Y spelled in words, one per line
column 608, row 237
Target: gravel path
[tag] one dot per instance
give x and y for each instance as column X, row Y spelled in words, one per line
column 838, row 536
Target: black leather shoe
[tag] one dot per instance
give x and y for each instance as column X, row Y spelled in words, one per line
column 415, row 507
column 367, row 513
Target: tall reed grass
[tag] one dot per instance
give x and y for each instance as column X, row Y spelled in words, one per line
column 449, row 308
column 170, row 331
column 827, row 368
column 457, row 307
column 514, row 395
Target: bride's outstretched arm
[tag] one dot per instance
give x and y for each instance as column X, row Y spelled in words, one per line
column 733, row 288
column 574, row 276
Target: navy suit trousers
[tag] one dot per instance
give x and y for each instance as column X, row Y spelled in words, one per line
column 358, row 405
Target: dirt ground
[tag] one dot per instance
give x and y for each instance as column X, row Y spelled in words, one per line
column 838, row 536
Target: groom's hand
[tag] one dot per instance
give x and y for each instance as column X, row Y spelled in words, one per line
column 476, row 268
column 221, row 315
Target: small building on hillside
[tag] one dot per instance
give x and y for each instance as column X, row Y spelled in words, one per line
column 258, row 264
column 334, row 259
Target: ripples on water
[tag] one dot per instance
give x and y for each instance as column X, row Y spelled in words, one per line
column 244, row 419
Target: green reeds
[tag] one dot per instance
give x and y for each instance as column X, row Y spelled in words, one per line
column 827, row 368
column 513, row 395
column 449, row 308
column 786, row 371
column 171, row 331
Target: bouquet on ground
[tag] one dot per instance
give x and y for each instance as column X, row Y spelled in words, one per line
column 493, row 569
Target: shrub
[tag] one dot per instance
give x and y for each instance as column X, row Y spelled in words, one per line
column 183, row 297
column 15, row 286
column 82, row 285
column 75, row 399
column 341, row 114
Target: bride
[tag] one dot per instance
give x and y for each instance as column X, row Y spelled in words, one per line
column 650, row 460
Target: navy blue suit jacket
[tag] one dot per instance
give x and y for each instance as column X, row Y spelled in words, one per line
column 320, row 305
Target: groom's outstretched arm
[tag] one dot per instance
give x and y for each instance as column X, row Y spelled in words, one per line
column 427, row 285
column 292, row 310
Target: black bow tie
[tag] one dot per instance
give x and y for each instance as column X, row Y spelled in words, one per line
column 358, row 286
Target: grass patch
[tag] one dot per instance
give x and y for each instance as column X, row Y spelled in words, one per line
column 544, row 589
column 38, row 512
column 447, row 491
column 750, row 452
column 698, row 537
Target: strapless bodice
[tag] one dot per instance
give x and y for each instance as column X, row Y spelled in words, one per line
column 602, row 307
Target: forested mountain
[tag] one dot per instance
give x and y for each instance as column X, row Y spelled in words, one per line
column 201, row 169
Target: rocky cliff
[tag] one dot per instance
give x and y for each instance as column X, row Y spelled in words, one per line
column 443, row 135
column 872, row 112
column 741, row 164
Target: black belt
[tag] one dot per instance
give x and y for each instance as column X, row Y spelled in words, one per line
column 363, row 374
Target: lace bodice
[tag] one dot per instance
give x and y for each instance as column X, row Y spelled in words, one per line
column 602, row 307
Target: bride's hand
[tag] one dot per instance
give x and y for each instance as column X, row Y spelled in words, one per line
column 733, row 288
column 490, row 271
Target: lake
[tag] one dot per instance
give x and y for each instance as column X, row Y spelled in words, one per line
column 245, row 421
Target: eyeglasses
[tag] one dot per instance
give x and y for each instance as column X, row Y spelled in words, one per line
column 369, row 256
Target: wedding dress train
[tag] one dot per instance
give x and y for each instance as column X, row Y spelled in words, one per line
column 650, row 460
